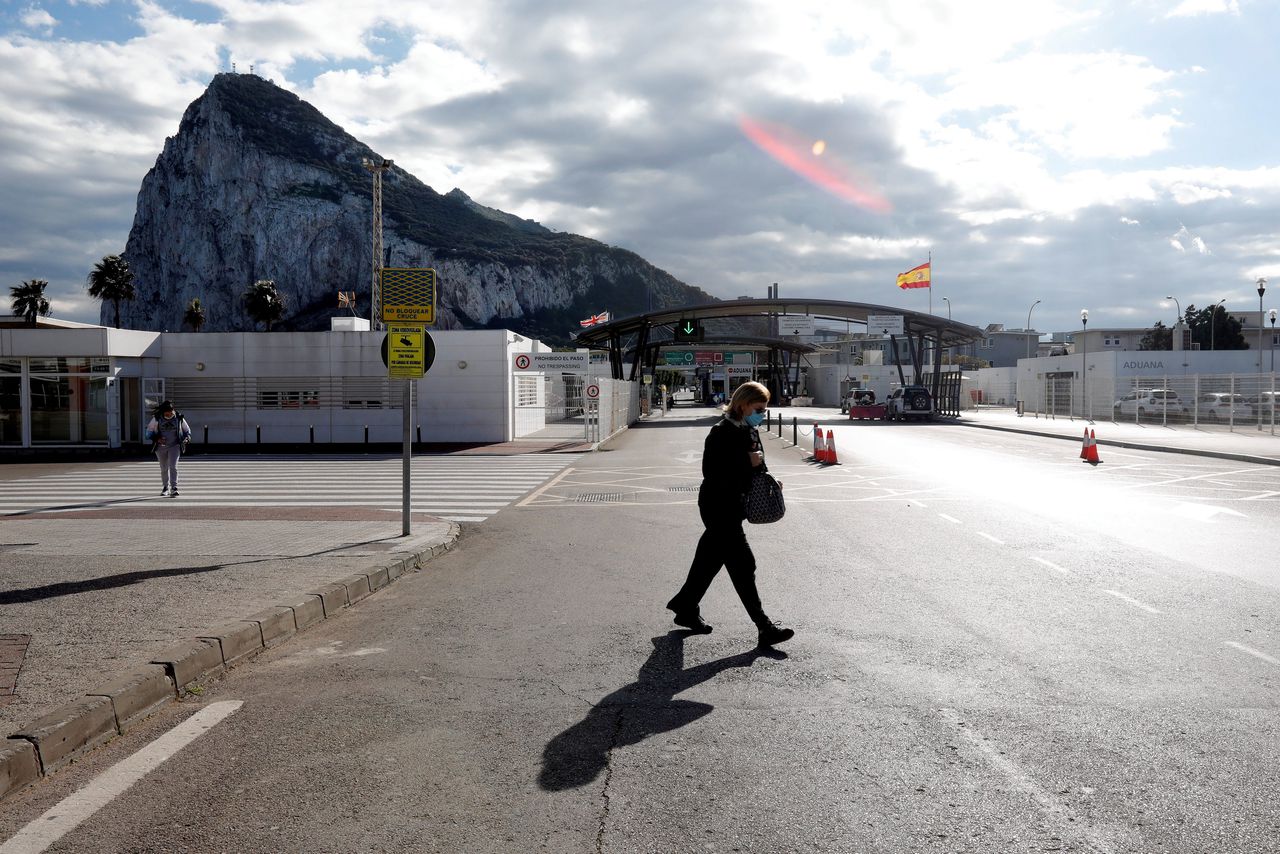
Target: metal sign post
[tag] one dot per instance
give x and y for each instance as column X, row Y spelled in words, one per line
column 408, row 352
column 406, row 462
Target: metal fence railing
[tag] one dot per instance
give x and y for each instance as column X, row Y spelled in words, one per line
column 1227, row 401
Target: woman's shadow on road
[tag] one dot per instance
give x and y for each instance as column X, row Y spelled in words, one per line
column 634, row 712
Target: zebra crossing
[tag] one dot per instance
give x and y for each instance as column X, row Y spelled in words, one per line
column 455, row 487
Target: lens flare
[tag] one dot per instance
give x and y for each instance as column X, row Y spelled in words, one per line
column 811, row 162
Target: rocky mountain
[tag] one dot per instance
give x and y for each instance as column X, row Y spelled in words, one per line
column 258, row 184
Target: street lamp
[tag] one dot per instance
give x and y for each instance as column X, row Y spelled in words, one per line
column 1033, row 306
column 1177, row 320
column 1273, row 341
column 1213, row 319
column 1084, row 362
column 1262, row 289
column 948, row 302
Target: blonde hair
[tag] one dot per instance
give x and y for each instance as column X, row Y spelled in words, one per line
column 745, row 395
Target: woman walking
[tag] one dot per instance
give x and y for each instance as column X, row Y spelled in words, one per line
column 731, row 454
column 169, row 432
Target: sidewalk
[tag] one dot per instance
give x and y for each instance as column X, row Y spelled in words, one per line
column 1244, row 443
column 107, row 613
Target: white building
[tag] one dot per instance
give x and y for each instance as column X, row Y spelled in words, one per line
column 74, row 385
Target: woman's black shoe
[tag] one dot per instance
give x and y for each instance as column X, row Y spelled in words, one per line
column 774, row 633
column 693, row 622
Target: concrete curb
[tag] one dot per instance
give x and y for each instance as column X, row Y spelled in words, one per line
column 72, row 730
column 1137, row 446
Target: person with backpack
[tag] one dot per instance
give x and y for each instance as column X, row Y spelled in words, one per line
column 169, row 434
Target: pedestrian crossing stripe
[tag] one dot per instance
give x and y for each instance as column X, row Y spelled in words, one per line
column 462, row 489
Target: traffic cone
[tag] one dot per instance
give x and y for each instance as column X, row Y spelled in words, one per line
column 819, row 449
column 1084, row 446
column 1091, row 452
column 832, row 459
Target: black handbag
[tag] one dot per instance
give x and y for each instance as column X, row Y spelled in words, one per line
column 763, row 500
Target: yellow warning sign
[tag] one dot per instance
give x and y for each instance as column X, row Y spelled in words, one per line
column 406, row 351
column 408, row 294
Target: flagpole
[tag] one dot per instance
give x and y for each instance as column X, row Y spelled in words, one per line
column 930, row 280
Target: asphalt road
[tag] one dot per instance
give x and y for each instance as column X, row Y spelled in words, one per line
column 999, row 649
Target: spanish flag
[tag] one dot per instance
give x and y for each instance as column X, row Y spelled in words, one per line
column 916, row 277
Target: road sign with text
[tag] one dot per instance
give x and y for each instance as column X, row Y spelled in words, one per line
column 408, row 295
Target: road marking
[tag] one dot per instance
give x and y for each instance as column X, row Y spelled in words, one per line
column 1052, row 565
column 71, row 811
column 1134, row 602
column 998, row 542
column 950, row 518
column 1068, row 822
column 1259, row 495
column 1255, row 653
column 563, row 474
column 1204, row 512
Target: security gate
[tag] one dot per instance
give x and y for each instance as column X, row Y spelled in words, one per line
column 1059, row 392
column 553, row 406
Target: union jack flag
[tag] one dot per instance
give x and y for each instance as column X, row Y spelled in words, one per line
column 602, row 317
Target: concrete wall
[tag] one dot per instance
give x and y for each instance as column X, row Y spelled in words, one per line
column 464, row 397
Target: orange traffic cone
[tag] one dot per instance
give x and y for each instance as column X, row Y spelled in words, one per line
column 832, row 459
column 819, row 448
column 1091, row 452
column 1084, row 446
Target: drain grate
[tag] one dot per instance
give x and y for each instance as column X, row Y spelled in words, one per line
column 682, row 489
column 600, row 497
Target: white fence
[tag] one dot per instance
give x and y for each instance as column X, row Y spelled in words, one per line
column 1232, row 401
column 572, row 407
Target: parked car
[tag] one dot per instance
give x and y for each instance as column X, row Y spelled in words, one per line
column 1265, row 403
column 685, row 394
column 857, row 397
column 909, row 401
column 1223, row 406
column 1156, row 402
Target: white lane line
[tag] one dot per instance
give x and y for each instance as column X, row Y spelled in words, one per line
column 1259, row 495
column 950, row 518
column 1069, row 824
column 1134, row 602
column 995, row 540
column 71, row 811
column 1052, row 565
column 1255, row 653
column 531, row 496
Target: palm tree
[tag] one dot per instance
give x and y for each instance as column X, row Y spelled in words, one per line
column 29, row 301
column 264, row 302
column 194, row 316
column 112, row 280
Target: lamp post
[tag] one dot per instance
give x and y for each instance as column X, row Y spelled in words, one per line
column 1177, row 320
column 377, row 167
column 1213, row 319
column 1273, row 340
column 1084, row 362
column 1262, row 289
column 948, row 302
column 1033, row 306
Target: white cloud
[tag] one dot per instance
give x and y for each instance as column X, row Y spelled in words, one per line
column 1179, row 240
column 35, row 18
column 1189, row 8
column 1124, row 220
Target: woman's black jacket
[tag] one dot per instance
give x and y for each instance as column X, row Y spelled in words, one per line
column 727, row 469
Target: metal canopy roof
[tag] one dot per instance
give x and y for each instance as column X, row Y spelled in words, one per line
column 948, row 333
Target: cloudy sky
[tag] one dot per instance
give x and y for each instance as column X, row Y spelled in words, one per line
column 1086, row 154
